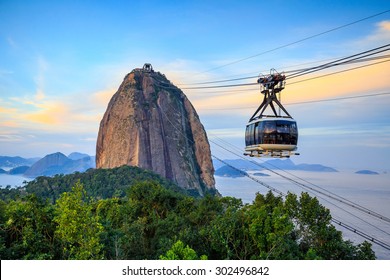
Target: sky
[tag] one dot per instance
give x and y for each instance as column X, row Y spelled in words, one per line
column 61, row 62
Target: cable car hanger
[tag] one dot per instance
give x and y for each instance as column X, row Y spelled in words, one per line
column 272, row 84
column 273, row 135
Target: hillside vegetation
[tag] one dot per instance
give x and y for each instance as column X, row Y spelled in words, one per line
column 105, row 214
column 98, row 183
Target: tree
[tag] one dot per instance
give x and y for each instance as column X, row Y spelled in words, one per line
column 316, row 236
column 228, row 233
column 153, row 222
column 27, row 230
column 78, row 228
column 271, row 229
column 109, row 212
column 179, row 252
column 364, row 251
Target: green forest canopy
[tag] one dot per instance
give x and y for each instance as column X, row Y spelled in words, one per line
column 108, row 214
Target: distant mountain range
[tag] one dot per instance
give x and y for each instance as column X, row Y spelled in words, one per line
column 285, row 164
column 49, row 165
column 227, row 171
column 58, row 163
column 367, row 172
column 12, row 162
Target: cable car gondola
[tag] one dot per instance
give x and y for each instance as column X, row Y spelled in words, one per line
column 275, row 134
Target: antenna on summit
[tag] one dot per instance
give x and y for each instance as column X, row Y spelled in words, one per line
column 148, row 68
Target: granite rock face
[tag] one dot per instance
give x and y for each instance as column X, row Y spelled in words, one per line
column 151, row 124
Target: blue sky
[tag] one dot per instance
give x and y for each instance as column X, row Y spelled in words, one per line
column 61, row 61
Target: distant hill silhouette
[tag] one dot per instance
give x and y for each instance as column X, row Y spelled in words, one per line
column 12, row 162
column 367, row 172
column 58, row 163
column 77, row 156
column 18, row 170
column 227, row 171
column 52, row 164
column 99, row 183
column 285, row 164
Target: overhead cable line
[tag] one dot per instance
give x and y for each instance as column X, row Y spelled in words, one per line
column 293, row 175
column 359, row 57
column 341, row 61
column 251, row 177
column 253, row 74
column 340, row 98
column 307, row 102
column 336, row 221
column 362, row 234
column 351, row 228
column 322, row 192
column 338, row 72
column 317, row 77
column 295, row 42
column 223, row 86
column 251, row 77
column 223, row 81
column 356, row 60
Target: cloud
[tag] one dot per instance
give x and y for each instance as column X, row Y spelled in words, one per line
column 10, row 135
column 4, row 110
column 381, row 35
column 12, row 43
column 52, row 114
column 44, row 114
column 44, row 110
column 11, row 138
column 371, row 79
column 73, row 112
column 5, row 72
column 183, row 72
column 373, row 135
column 39, row 79
column 101, row 98
column 334, row 131
column 89, row 139
column 7, row 118
column 40, row 95
column 225, row 132
column 9, row 124
column 34, row 109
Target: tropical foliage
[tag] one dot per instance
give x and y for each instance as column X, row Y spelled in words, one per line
column 150, row 220
column 98, row 183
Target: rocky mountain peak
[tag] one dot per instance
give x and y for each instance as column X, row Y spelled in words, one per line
column 150, row 123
